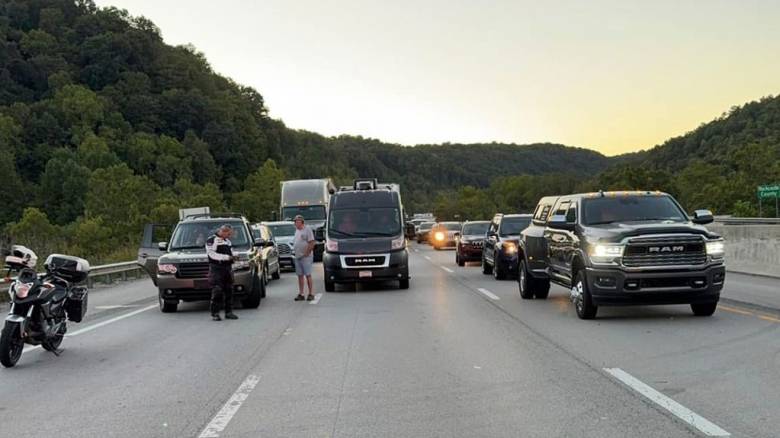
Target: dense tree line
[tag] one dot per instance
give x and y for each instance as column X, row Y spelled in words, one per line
column 103, row 128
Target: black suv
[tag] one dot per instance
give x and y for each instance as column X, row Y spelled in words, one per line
column 622, row 248
column 470, row 241
column 499, row 255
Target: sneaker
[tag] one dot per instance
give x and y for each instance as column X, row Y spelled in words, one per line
column 230, row 315
column 216, row 318
column 310, row 297
column 299, row 298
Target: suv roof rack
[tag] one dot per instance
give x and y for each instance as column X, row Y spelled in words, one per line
column 365, row 184
column 214, row 216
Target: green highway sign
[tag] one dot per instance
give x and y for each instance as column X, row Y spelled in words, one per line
column 771, row 191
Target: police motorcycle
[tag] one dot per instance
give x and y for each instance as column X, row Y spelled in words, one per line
column 41, row 304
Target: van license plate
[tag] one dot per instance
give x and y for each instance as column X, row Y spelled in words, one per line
column 365, row 274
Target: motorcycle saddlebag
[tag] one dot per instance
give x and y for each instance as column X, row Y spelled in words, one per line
column 70, row 268
column 76, row 304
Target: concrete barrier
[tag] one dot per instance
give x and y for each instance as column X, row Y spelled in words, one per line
column 752, row 249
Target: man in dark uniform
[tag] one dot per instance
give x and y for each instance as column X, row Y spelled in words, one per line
column 220, row 254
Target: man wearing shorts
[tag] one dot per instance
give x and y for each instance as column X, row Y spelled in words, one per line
column 303, row 256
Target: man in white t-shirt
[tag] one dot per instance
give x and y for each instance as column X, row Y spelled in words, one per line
column 303, row 256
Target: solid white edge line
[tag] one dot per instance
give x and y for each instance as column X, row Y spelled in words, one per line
column 488, row 294
column 447, row 269
column 230, row 408
column 698, row 422
column 110, row 321
column 316, row 299
column 93, row 327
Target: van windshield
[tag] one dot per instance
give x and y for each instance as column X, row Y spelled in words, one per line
column 194, row 235
column 309, row 212
column 365, row 222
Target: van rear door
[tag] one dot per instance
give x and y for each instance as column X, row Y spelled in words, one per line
column 149, row 251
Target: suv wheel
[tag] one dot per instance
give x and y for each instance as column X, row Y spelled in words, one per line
column 404, row 283
column 524, row 282
column 330, row 286
column 486, row 269
column 252, row 300
column 459, row 261
column 278, row 273
column 167, row 306
column 704, row 309
column 583, row 303
column 498, row 271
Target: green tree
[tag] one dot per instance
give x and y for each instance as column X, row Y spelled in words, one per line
column 262, row 191
column 64, row 186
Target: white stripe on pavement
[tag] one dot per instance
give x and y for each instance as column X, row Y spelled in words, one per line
column 427, row 257
column 230, row 408
column 447, row 269
column 111, row 321
column 316, row 299
column 488, row 294
column 678, row 410
column 93, row 327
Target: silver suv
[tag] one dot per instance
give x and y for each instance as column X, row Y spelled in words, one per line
column 179, row 267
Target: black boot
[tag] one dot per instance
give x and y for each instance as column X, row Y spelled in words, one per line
column 230, row 315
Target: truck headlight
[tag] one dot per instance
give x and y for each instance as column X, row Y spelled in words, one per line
column 606, row 253
column 716, row 249
column 331, row 246
column 166, row 268
column 398, row 243
column 241, row 265
column 510, row 248
column 439, row 235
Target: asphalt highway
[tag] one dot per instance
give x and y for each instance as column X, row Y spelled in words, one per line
column 459, row 354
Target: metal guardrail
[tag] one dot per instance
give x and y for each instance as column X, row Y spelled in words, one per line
column 102, row 273
column 747, row 220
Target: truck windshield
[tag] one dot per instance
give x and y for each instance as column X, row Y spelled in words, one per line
column 309, row 212
column 607, row 210
column 365, row 222
column 479, row 229
column 282, row 230
column 451, row 226
column 511, row 226
column 194, row 235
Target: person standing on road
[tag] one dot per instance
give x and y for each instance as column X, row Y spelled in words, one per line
column 303, row 253
column 220, row 253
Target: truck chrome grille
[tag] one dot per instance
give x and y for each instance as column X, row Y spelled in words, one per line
column 193, row 270
column 680, row 250
column 284, row 249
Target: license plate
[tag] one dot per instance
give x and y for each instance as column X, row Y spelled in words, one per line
column 365, row 274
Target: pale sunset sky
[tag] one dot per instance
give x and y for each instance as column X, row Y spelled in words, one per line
column 611, row 75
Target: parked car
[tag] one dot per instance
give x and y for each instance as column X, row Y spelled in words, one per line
column 364, row 237
column 283, row 233
column 622, row 248
column 444, row 234
column 499, row 255
column 470, row 242
column 423, row 230
column 270, row 253
column 179, row 266
column 410, row 230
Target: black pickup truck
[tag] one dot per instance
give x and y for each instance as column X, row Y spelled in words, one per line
column 621, row 248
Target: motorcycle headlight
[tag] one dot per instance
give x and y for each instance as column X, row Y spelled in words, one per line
column 398, row 243
column 606, row 253
column 166, row 268
column 716, row 249
column 510, row 248
column 439, row 235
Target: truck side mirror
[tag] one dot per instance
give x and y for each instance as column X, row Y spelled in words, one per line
column 162, row 246
column 702, row 217
column 558, row 222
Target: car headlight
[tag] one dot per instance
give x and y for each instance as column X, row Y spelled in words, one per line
column 439, row 235
column 510, row 248
column 716, row 249
column 398, row 243
column 331, row 246
column 166, row 268
column 606, row 253
column 241, row 265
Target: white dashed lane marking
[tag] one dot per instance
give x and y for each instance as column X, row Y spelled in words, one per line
column 488, row 294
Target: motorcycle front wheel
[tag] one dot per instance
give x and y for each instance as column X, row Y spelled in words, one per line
column 11, row 344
